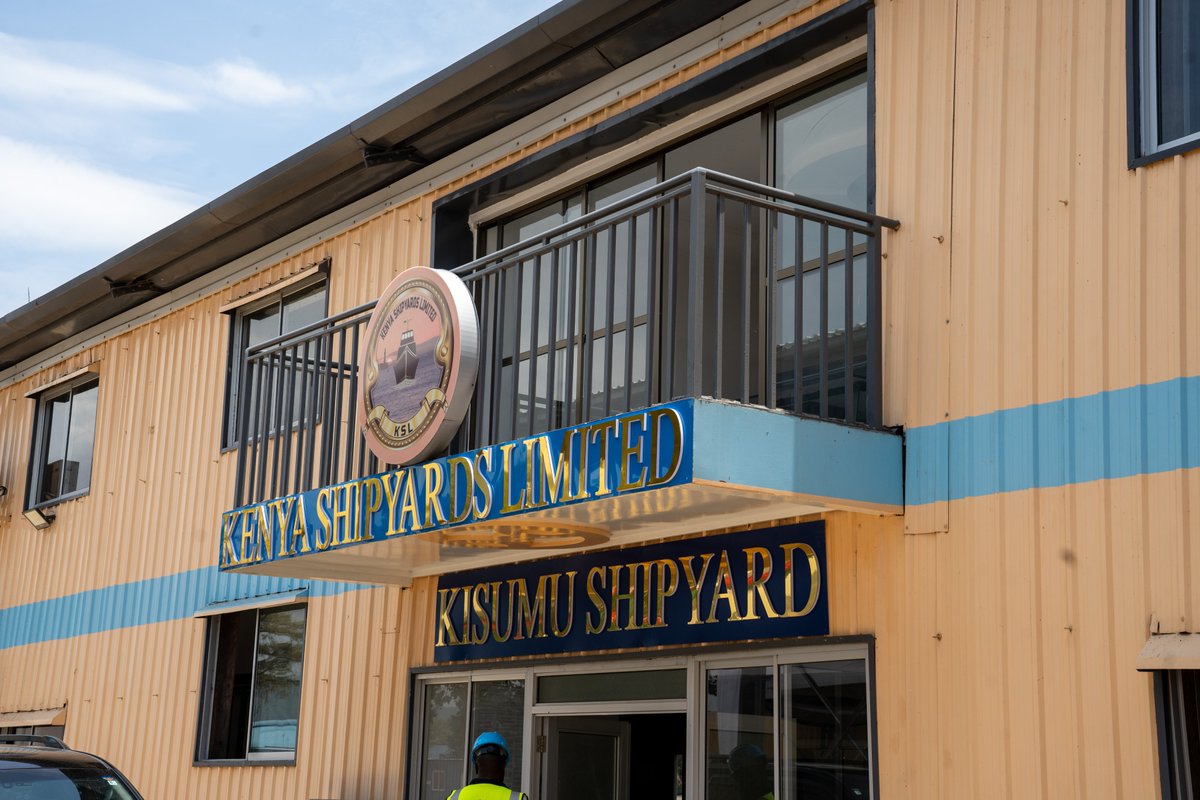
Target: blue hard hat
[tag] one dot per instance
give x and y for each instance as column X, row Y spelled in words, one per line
column 489, row 742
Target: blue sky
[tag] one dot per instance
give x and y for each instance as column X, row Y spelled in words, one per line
column 118, row 118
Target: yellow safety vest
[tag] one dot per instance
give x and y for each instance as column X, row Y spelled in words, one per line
column 486, row 791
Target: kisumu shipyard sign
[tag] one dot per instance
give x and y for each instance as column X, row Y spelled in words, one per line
column 625, row 454
column 753, row 585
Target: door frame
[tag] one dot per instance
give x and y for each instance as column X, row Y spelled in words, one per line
column 696, row 662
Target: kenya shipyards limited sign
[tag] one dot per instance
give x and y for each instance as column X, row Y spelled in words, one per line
column 418, row 365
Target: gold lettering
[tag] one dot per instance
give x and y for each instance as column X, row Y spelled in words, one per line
column 756, row 582
column 228, row 554
column 530, row 618
column 409, row 508
column 341, row 512
column 434, row 478
column 484, row 510
column 603, row 429
column 324, row 503
column 665, row 565
column 695, row 583
column 531, row 479
column 300, row 528
column 248, row 533
column 789, row 585
column 556, row 473
column 445, row 606
column 265, row 541
column 671, row 416
column 597, row 601
column 627, row 450
column 391, row 491
column 554, row 605
column 496, row 613
column 481, row 614
column 724, row 591
column 456, row 465
column 372, row 501
column 283, row 512
column 584, row 460
column 507, row 504
column 616, row 596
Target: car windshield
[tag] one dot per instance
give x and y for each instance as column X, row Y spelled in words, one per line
column 65, row 783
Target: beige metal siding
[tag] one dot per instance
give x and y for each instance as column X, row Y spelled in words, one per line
column 1031, row 265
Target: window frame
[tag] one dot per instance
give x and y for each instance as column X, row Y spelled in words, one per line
column 1141, row 50
column 1168, row 708
column 773, row 654
column 206, row 695
column 40, row 439
column 238, row 318
column 490, row 235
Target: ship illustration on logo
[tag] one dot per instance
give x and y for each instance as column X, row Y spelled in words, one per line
column 405, row 365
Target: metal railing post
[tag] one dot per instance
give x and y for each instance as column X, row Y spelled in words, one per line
column 695, row 323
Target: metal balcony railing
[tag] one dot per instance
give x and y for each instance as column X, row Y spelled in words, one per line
column 702, row 285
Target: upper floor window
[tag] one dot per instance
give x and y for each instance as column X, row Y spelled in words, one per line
column 599, row 327
column 64, row 432
column 1164, row 52
column 255, row 323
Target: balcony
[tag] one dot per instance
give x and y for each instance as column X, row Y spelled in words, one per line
column 702, row 286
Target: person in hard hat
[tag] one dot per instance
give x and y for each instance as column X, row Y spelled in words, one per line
column 751, row 773
column 489, row 754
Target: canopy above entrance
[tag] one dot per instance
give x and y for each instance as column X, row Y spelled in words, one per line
column 684, row 467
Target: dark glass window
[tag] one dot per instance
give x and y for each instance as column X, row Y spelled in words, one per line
column 824, row 732
column 625, row 334
column 1165, row 48
column 1179, row 732
column 63, row 439
column 453, row 715
column 251, row 706
column 257, row 323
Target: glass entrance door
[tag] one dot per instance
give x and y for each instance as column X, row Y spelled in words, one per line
column 613, row 757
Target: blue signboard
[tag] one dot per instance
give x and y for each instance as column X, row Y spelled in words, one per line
column 635, row 452
column 758, row 584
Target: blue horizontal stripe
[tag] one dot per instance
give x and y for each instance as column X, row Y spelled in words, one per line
column 126, row 605
column 1140, row 430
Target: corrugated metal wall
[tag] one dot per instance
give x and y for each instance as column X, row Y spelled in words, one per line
column 1032, row 266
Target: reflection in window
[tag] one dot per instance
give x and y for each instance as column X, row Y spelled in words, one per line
column 825, row 730
column 739, row 733
column 66, row 428
column 454, row 715
column 1166, row 61
column 444, row 759
column 283, row 314
column 252, row 684
column 824, row 724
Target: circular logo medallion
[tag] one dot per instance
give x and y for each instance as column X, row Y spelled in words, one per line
column 418, row 365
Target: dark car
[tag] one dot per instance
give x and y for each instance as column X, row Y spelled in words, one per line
column 43, row 768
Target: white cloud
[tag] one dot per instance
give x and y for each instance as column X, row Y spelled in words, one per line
column 65, row 205
column 26, row 75
column 244, row 82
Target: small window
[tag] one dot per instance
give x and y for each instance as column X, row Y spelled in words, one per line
column 251, row 704
column 57, row 731
column 64, row 431
column 1164, row 52
column 259, row 322
column 1179, row 732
